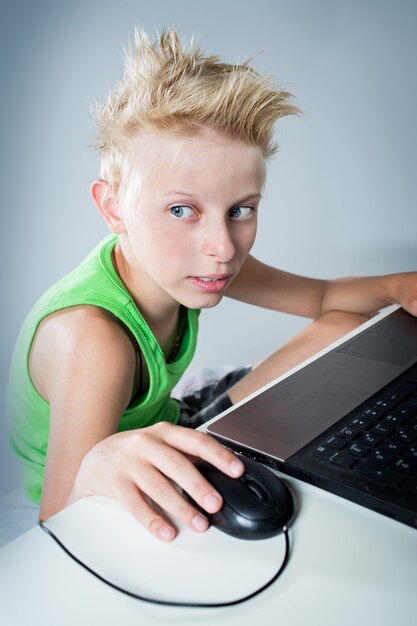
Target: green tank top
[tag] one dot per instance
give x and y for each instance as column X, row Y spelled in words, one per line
column 95, row 282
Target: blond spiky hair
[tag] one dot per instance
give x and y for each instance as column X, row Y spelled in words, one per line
column 171, row 87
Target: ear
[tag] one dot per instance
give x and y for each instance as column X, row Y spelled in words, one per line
column 102, row 194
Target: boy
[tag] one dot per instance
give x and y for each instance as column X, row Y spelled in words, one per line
column 183, row 142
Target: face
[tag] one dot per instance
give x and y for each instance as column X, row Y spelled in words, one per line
column 194, row 223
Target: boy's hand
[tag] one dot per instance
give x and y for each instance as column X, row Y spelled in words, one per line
column 137, row 467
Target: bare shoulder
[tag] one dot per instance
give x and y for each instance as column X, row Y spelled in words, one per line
column 80, row 341
column 78, row 322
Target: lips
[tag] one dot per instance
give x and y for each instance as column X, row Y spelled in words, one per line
column 209, row 279
column 213, row 283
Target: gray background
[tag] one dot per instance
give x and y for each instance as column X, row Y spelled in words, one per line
column 341, row 195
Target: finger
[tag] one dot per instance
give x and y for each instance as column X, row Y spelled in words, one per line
column 157, row 487
column 203, row 446
column 177, row 467
column 135, row 502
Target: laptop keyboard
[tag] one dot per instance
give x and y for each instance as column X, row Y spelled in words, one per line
column 379, row 439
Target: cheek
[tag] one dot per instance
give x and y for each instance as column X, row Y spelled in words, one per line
column 252, row 236
column 247, row 238
column 166, row 248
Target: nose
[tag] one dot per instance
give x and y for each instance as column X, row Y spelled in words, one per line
column 218, row 242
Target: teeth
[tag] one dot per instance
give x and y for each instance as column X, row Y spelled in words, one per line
column 209, row 280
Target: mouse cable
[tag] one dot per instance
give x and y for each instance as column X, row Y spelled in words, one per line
column 200, row 605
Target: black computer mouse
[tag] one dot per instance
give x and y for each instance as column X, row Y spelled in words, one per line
column 255, row 506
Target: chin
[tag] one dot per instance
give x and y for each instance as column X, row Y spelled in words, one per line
column 208, row 301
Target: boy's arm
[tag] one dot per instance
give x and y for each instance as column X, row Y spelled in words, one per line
column 266, row 286
column 84, row 365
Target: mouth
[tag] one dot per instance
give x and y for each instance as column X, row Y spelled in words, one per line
column 213, row 283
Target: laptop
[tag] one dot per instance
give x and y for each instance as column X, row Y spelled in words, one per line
column 345, row 420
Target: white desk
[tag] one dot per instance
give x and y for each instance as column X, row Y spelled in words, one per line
column 348, row 566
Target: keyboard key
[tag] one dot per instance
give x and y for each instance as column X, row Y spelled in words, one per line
column 342, row 459
column 372, row 413
column 392, row 446
column 410, row 454
column 370, row 439
column 405, row 466
column 349, row 433
column 382, row 457
column 358, row 449
column 378, row 473
column 406, row 435
column 382, row 429
column 395, row 419
column 404, row 413
column 336, row 441
column 323, row 453
column 385, row 403
column 410, row 403
column 361, row 422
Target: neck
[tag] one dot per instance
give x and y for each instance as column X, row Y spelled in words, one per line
column 156, row 306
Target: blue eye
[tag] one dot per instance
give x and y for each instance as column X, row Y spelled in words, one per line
column 242, row 212
column 181, row 211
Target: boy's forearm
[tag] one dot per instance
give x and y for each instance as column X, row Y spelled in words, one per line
column 366, row 295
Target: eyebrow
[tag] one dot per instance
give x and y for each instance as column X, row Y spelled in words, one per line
column 178, row 192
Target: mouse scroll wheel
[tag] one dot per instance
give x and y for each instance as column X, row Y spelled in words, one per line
column 259, row 492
